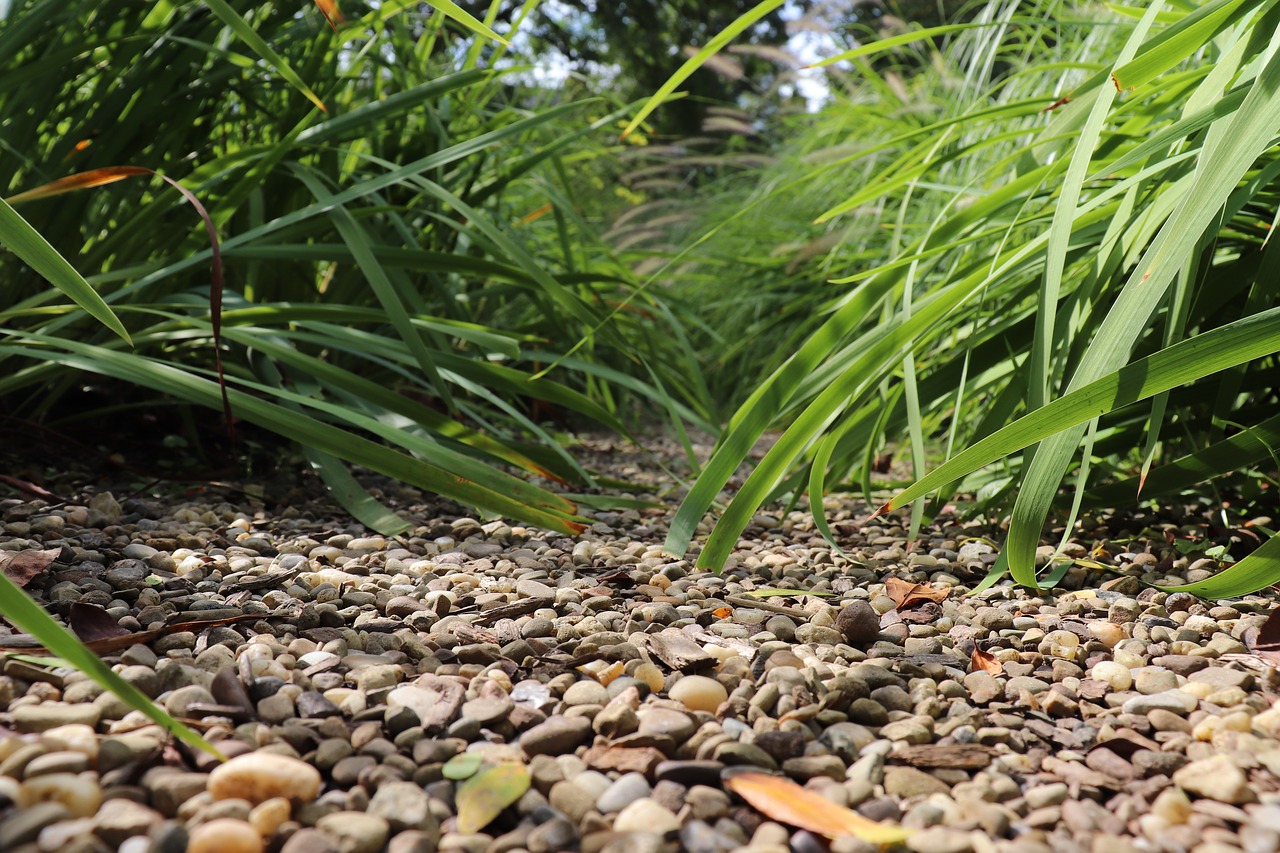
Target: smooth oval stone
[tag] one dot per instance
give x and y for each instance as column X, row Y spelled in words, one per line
column 225, row 835
column 259, row 776
column 699, row 693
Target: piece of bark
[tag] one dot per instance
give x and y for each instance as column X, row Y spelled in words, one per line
column 676, row 650
column 957, row 756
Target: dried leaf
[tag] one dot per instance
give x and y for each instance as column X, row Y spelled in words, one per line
column 786, row 802
column 92, row 623
column 905, row 593
column 462, row 766
column 985, row 662
column 22, row 567
column 482, row 798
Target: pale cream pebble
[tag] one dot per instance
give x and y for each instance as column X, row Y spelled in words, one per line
column 1207, row 728
column 720, row 653
column 1198, row 689
column 349, row 700
column 266, row 817
column 699, row 693
column 260, row 776
column 1128, row 659
column 74, row 737
column 81, row 794
column 1228, row 697
column 1152, row 826
column 1113, row 673
column 1268, row 722
column 1172, row 806
column 225, row 835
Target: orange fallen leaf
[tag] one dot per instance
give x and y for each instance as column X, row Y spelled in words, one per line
column 905, row 593
column 985, row 662
column 786, row 802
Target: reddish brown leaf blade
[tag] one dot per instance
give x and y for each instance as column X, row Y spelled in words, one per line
column 22, row 567
column 80, row 181
column 30, row 489
column 984, row 662
column 1061, row 102
column 331, row 12
column 786, row 802
column 92, row 623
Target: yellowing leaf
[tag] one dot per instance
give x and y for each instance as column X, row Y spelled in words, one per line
column 483, row 797
column 786, row 802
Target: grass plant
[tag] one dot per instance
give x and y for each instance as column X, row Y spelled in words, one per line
column 397, row 254
column 1052, row 250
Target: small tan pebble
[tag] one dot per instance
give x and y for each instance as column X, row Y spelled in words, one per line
column 355, row 832
column 260, row 776
column 646, row 815
column 267, row 816
column 75, row 737
column 650, row 675
column 699, row 693
column 224, row 835
column 1172, row 806
column 81, row 795
column 1108, row 633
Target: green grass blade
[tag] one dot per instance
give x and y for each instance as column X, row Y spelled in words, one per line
column 1259, row 570
column 1231, row 147
column 1186, row 361
column 249, row 36
column 712, row 47
column 35, row 251
column 28, row 616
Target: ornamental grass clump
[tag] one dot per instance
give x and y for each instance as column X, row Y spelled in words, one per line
column 1049, row 258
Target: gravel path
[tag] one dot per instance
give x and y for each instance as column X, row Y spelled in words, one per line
column 484, row 687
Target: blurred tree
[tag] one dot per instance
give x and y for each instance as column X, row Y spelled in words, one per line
column 646, row 40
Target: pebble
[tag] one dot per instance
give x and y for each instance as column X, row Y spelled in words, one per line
column 224, row 835
column 1217, row 778
column 699, row 693
column 646, row 815
column 260, row 776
